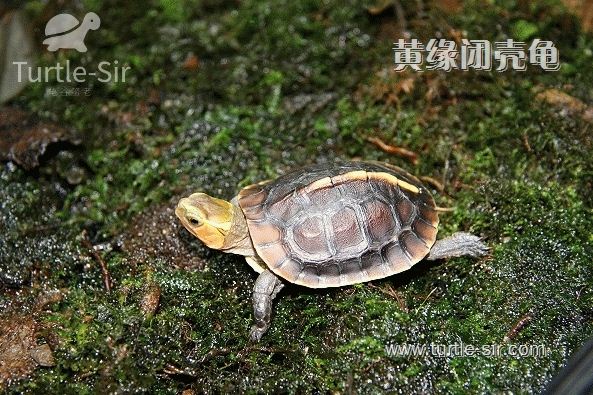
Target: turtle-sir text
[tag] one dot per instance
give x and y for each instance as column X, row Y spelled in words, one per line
column 105, row 72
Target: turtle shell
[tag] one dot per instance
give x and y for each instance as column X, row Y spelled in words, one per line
column 60, row 23
column 339, row 224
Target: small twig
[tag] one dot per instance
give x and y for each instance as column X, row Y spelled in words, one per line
column 214, row 353
column 394, row 294
column 42, row 228
column 445, row 170
column 249, row 349
column 425, row 299
column 391, row 149
column 526, row 143
column 517, row 328
column 401, row 17
column 174, row 370
column 88, row 245
column 440, row 187
column 86, row 374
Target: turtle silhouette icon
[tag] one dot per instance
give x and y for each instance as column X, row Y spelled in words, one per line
column 65, row 31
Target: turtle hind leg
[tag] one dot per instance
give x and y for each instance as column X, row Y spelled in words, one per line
column 458, row 244
column 265, row 290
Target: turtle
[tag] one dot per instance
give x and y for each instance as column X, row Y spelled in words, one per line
column 64, row 31
column 325, row 225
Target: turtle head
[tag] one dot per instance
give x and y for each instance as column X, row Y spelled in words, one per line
column 209, row 219
column 92, row 21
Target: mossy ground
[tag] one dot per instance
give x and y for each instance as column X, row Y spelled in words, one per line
column 283, row 84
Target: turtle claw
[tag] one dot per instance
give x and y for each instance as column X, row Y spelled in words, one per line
column 256, row 333
column 478, row 249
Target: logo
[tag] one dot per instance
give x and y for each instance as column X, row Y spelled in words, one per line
column 64, row 31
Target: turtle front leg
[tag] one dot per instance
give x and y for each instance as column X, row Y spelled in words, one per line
column 458, row 244
column 265, row 290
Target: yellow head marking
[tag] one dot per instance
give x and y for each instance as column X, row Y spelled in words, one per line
column 207, row 218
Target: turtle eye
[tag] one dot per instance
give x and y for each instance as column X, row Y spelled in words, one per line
column 194, row 221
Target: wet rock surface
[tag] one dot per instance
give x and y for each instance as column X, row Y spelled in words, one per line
column 156, row 235
column 17, row 341
column 23, row 337
column 24, row 140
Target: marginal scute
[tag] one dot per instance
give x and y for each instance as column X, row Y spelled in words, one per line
column 413, row 245
column 252, row 195
column 353, row 278
column 289, row 269
column 265, row 233
column 375, row 266
column 273, row 254
column 352, row 271
column 351, row 266
column 370, row 259
column 309, row 276
column 397, row 259
column 329, row 275
column 424, row 230
column 254, row 212
column 250, row 199
column 429, row 214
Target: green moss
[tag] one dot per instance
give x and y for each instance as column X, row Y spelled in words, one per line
column 524, row 30
column 279, row 85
